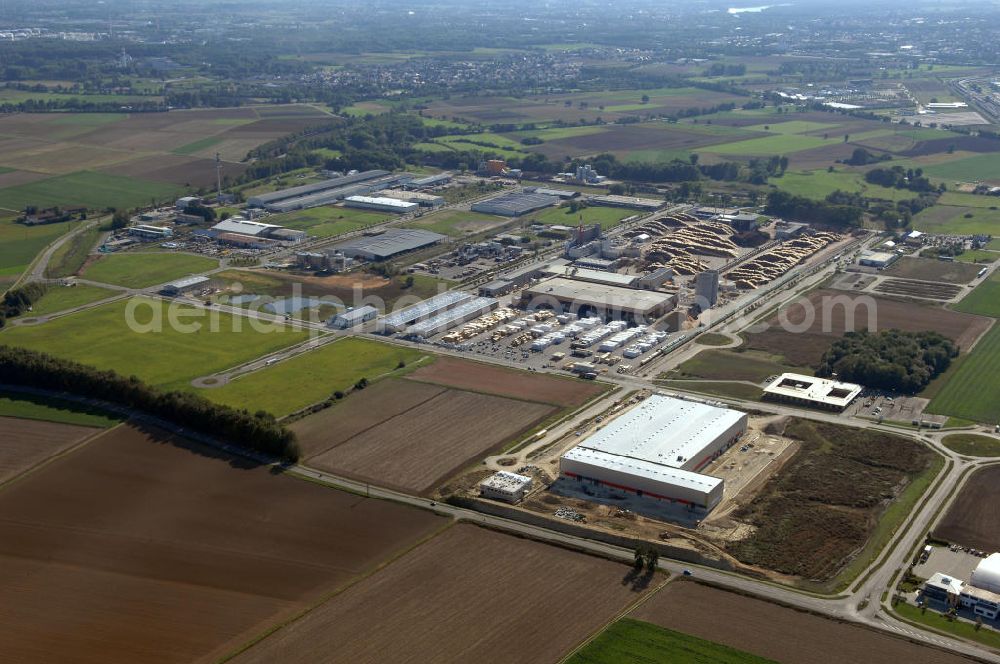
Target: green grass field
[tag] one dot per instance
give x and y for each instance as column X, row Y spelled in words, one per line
column 794, row 127
column 971, row 444
column 31, row 407
column 146, row 269
column 169, row 357
column 293, row 384
column 713, row 339
column 971, row 391
column 960, row 628
column 984, row 299
column 629, row 641
column 716, row 388
column 750, row 365
column 980, row 167
column 61, row 298
column 977, row 256
column 952, row 220
column 70, row 257
column 328, row 221
column 20, row 244
column 199, row 145
column 819, row 184
column 457, row 222
column 607, row 217
column 95, row 190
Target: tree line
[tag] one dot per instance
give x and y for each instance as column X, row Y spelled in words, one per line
column 830, row 212
column 257, row 431
column 17, row 301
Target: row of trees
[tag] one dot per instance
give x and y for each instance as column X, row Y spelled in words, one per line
column 898, row 177
column 890, row 360
column 257, row 431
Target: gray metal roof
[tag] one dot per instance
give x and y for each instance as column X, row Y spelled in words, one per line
column 391, row 242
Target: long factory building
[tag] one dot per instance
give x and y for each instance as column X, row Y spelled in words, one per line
column 585, row 297
column 329, row 191
column 655, row 451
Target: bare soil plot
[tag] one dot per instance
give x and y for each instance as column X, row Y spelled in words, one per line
column 928, row 269
column 776, row 632
column 924, row 289
column 627, row 138
column 420, row 448
column 953, row 143
column 973, row 520
column 24, row 443
column 362, row 411
column 468, row 595
column 174, row 169
column 477, row 377
column 828, row 314
column 140, row 547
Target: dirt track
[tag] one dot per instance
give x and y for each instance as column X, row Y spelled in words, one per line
column 775, row 632
column 139, row 548
column 469, row 595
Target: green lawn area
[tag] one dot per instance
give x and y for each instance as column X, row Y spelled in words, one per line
column 770, row 145
column 979, row 167
column 717, row 388
column 306, row 379
column 146, row 269
column 960, row 199
column 607, row 217
column 19, row 244
column 655, row 156
column 962, row 629
column 61, row 298
column 328, row 221
column 629, row 641
column 556, row 133
column 984, row 298
column 472, row 141
column 820, row 184
column 31, row 407
column 971, row 444
column 977, row 256
column 971, row 391
column 199, row 145
column 457, row 222
column 749, row 365
column 951, row 219
column 95, row 190
column 72, row 254
column 713, row 339
column 168, row 357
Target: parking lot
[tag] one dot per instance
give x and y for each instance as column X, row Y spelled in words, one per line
column 955, row 562
column 544, row 339
column 885, row 406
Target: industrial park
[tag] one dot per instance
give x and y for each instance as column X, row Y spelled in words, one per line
column 682, row 316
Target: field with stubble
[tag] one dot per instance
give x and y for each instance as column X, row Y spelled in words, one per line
column 142, row 547
column 468, row 595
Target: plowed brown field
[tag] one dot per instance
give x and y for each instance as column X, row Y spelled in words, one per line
column 973, row 520
column 139, row 547
column 775, row 632
column 491, row 379
column 24, row 443
column 419, row 448
column 468, row 595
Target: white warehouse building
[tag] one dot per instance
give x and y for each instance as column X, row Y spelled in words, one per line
column 656, row 449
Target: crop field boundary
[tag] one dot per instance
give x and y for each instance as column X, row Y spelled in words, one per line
column 339, row 589
column 27, row 472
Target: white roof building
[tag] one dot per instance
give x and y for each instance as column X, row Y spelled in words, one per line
column 244, row 227
column 667, row 432
column 812, row 391
column 987, row 574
